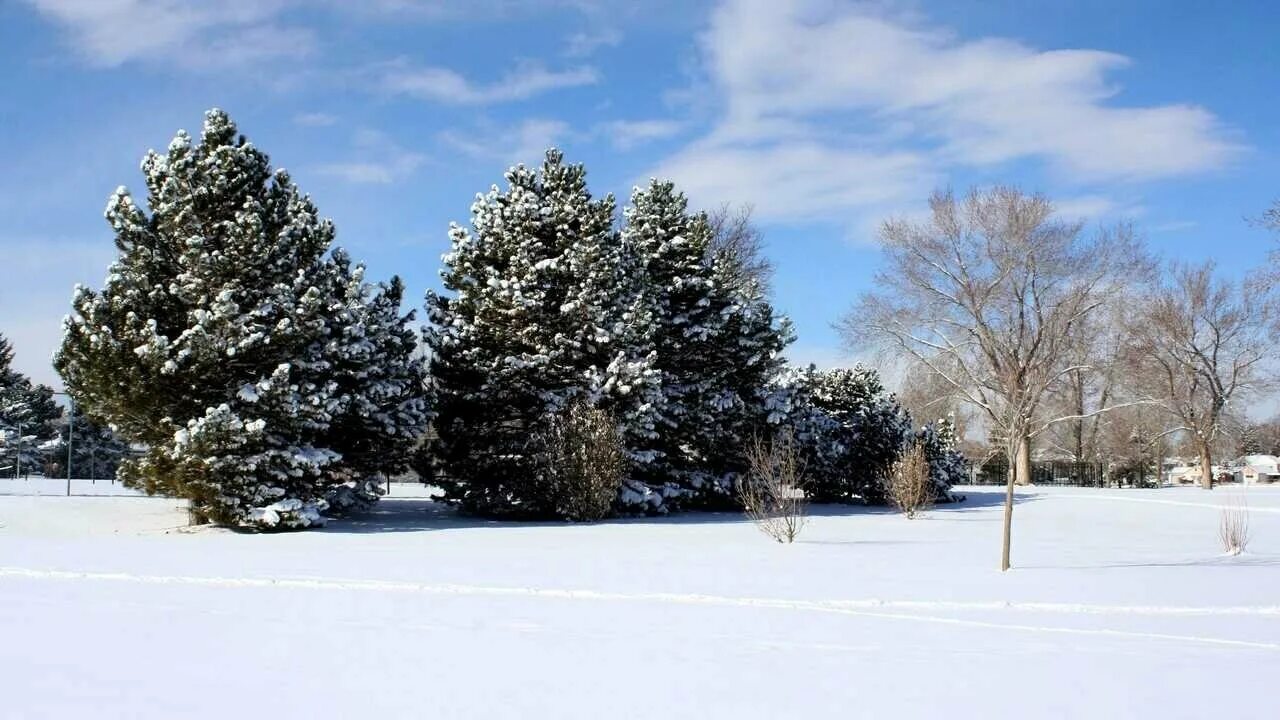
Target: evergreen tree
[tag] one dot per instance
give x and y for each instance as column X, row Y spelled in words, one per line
column 851, row 430
column 947, row 467
column 261, row 373
column 715, row 342
column 543, row 311
column 96, row 451
column 28, row 415
column 749, row 351
column 684, row 319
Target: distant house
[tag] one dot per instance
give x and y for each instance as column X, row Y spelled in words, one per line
column 1257, row 469
column 1182, row 471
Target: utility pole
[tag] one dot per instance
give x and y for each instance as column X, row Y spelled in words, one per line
column 17, row 459
column 71, row 431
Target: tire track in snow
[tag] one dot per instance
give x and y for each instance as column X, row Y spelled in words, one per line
column 873, row 608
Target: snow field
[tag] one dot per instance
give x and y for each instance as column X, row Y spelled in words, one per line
column 1120, row 605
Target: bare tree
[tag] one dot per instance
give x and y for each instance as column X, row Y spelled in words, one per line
column 1095, row 349
column 738, row 245
column 1200, row 342
column 772, row 493
column 927, row 396
column 988, row 293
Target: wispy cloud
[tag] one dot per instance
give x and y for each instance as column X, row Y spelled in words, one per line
column 798, row 180
column 314, row 119
column 380, row 161
column 443, row 85
column 1173, row 226
column 189, row 34
column 807, row 88
column 587, row 42
column 627, row 134
column 524, row 143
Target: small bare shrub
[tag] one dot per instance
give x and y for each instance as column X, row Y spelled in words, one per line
column 1233, row 527
column 772, row 493
column 911, row 490
column 582, row 464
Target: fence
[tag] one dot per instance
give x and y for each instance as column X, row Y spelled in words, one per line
column 1062, row 473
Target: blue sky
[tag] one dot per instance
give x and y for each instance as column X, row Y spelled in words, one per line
column 826, row 116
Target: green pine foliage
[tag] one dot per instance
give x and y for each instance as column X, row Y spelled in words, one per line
column 28, row 415
column 261, row 372
column 540, row 311
column 717, row 346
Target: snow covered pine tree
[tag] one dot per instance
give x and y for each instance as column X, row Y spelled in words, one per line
column 96, row 451
column 542, row 313
column 263, row 374
column 27, row 416
column 716, row 347
column 947, row 466
column 850, row 429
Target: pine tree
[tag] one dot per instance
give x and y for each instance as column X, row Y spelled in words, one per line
column 850, row 428
column 96, row 451
column 683, row 321
column 716, row 347
column 28, row 415
column 542, row 312
column 261, row 373
column 716, row 341
column 947, row 466
column 749, row 350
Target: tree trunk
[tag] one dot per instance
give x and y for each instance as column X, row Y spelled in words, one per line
column 1078, row 425
column 1206, row 466
column 1022, row 472
column 1008, row 523
column 1019, row 472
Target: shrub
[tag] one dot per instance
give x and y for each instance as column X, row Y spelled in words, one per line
column 910, row 487
column 772, row 492
column 1233, row 527
column 581, row 465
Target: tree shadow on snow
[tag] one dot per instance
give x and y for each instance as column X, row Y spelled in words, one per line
column 392, row 515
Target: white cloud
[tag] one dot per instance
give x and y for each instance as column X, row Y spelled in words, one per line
column 817, row 98
column 586, row 42
column 627, row 134
column 188, row 33
column 382, row 161
column 315, row 119
column 1173, row 226
column 1095, row 207
column 525, row 143
column 439, row 84
column 798, row 179
column 986, row 100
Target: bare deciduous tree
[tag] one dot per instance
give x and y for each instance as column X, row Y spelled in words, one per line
column 1095, row 350
column 738, row 245
column 987, row 293
column 1199, row 341
column 911, row 490
column 772, row 493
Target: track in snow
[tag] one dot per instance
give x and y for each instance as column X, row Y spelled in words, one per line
column 869, row 608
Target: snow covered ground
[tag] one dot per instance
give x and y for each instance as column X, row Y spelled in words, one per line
column 1120, row 605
